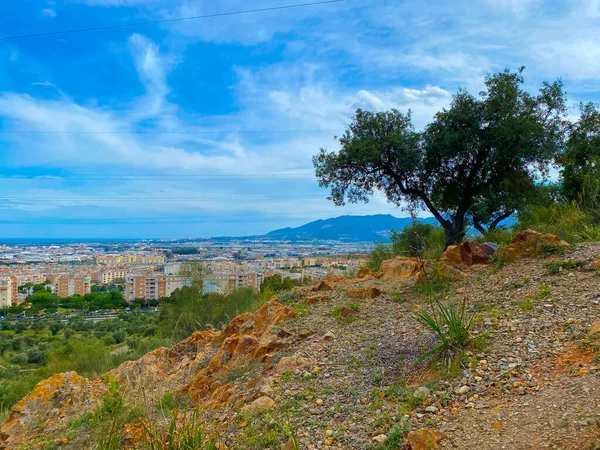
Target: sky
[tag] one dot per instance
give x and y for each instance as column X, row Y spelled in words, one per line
column 207, row 127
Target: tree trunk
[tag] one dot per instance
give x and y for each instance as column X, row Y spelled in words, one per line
column 455, row 231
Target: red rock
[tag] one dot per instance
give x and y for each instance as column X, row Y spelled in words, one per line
column 317, row 298
column 346, row 312
column 466, row 254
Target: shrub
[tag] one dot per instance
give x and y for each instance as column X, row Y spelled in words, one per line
column 450, row 323
column 566, row 221
column 183, row 433
column 380, row 253
column 419, row 240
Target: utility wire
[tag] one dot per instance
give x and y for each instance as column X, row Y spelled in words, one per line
column 168, row 199
column 168, row 132
column 178, row 19
column 203, row 219
column 150, row 177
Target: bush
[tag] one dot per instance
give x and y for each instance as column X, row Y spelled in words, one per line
column 450, row 323
column 565, row 221
column 419, row 240
column 188, row 310
column 380, row 253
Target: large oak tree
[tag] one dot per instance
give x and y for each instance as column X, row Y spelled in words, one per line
column 477, row 159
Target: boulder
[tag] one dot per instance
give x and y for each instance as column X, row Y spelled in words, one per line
column 530, row 243
column 365, row 272
column 346, row 312
column 317, row 298
column 423, row 440
column 365, row 292
column 49, row 407
column 258, row 406
column 322, row 286
column 399, row 267
column 467, row 254
column 294, row 362
column 597, row 263
column 331, row 278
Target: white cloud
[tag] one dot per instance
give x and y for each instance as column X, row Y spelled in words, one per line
column 49, row 12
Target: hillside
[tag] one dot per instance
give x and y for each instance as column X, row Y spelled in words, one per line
column 347, row 228
column 337, row 365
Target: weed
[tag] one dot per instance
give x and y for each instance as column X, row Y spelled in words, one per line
column 301, row 308
column 345, row 320
column 559, row 266
column 398, row 297
column 450, row 323
column 397, row 434
column 526, row 305
column 185, row 432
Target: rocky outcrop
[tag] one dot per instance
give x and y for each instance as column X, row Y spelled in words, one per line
column 48, row 408
column 467, row 254
column 197, row 366
column 399, row 267
column 423, row 440
column 531, row 243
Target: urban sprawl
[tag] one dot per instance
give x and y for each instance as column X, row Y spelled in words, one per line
column 152, row 270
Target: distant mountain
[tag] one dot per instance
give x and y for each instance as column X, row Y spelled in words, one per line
column 347, row 228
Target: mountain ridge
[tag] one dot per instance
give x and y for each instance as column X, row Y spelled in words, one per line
column 369, row 228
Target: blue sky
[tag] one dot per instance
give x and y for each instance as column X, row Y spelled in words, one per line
column 207, row 127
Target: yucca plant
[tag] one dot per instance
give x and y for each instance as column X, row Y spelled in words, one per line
column 183, row 433
column 451, row 323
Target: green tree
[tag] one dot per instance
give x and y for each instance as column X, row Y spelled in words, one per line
column 479, row 145
column 580, row 161
column 197, row 271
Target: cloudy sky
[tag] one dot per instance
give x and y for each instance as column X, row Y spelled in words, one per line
column 207, row 126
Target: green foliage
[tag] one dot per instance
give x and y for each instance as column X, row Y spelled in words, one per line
column 420, row 240
column 275, row 283
column 478, row 157
column 344, row 320
column 452, row 325
column 84, row 346
column 500, row 236
column 184, row 432
column 380, row 253
column 188, row 310
column 559, row 266
column 580, row 160
column 566, row 221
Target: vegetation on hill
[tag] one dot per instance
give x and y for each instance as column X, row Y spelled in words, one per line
column 477, row 163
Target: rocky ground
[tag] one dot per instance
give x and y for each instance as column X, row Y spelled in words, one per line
column 340, row 368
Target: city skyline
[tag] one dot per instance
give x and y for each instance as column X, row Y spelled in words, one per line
column 207, row 127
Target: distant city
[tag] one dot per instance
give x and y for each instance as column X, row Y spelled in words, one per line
column 152, row 270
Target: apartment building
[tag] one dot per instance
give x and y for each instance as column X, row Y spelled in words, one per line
column 157, row 258
column 228, row 283
column 69, row 286
column 153, row 286
column 9, row 291
column 110, row 276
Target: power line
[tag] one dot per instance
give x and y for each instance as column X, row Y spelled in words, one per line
column 234, row 218
column 151, row 177
column 178, row 19
column 167, row 199
column 191, row 132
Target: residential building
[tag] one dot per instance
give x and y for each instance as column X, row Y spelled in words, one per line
column 228, row 283
column 9, row 291
column 69, row 286
column 111, row 276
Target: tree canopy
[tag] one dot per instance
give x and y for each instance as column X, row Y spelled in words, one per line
column 580, row 160
column 478, row 159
